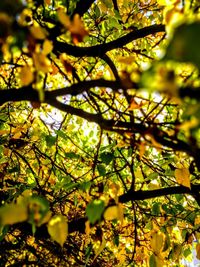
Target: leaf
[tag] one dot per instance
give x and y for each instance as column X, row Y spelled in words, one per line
column 157, row 241
column 26, row 75
column 13, row 213
column 101, row 169
column 58, row 229
column 114, row 213
column 70, row 186
column 3, row 231
column 176, row 251
column 61, row 134
column 100, row 249
column 37, row 32
column 106, row 157
column 72, row 155
column 47, row 47
column 38, row 209
column 94, row 210
column 198, row 251
column 152, row 261
column 63, row 18
column 41, row 62
column 50, row 140
column 182, row 176
column 76, row 26
column 184, row 46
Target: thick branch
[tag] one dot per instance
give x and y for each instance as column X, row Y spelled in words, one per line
column 142, row 195
column 78, row 225
column 28, row 94
column 22, row 94
column 80, row 87
column 190, row 92
column 101, row 49
column 106, row 124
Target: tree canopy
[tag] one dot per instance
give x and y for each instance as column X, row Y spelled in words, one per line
column 99, row 132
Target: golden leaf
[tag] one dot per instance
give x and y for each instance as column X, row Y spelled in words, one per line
column 58, row 229
column 13, row 213
column 26, row 76
column 114, row 213
column 100, row 249
column 41, row 62
column 76, row 26
column 63, row 18
column 142, row 149
column 47, row 2
column 182, row 176
column 37, row 32
column 198, row 251
column 47, row 47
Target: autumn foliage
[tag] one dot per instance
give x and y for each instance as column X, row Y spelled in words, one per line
column 99, row 132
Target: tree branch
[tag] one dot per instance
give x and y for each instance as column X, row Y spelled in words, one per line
column 78, row 225
column 101, row 49
column 142, row 195
column 190, row 92
column 22, row 94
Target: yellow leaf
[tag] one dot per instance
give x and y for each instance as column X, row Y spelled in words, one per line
column 134, row 105
column 76, row 26
column 63, row 18
column 157, row 241
column 17, row 135
column 167, row 2
column 26, row 76
column 41, row 62
column 37, row 32
column 198, row 251
column 47, row 47
column 182, row 176
column 13, row 213
column 100, row 249
column 2, row 132
column 58, row 229
column 87, row 227
column 114, row 213
column 47, row 2
column 142, row 149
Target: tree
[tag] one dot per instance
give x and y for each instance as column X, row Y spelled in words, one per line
column 99, row 132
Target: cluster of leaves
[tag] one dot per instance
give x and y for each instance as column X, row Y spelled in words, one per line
column 99, row 132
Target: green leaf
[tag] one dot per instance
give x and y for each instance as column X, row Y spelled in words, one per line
column 116, row 240
column 58, row 229
column 50, row 140
column 101, row 169
column 106, row 157
column 3, row 231
column 85, row 186
column 156, row 209
column 70, row 186
column 184, row 46
column 97, row 11
column 61, row 134
column 72, row 155
column 187, row 252
column 107, row 3
column 152, row 261
column 94, row 210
